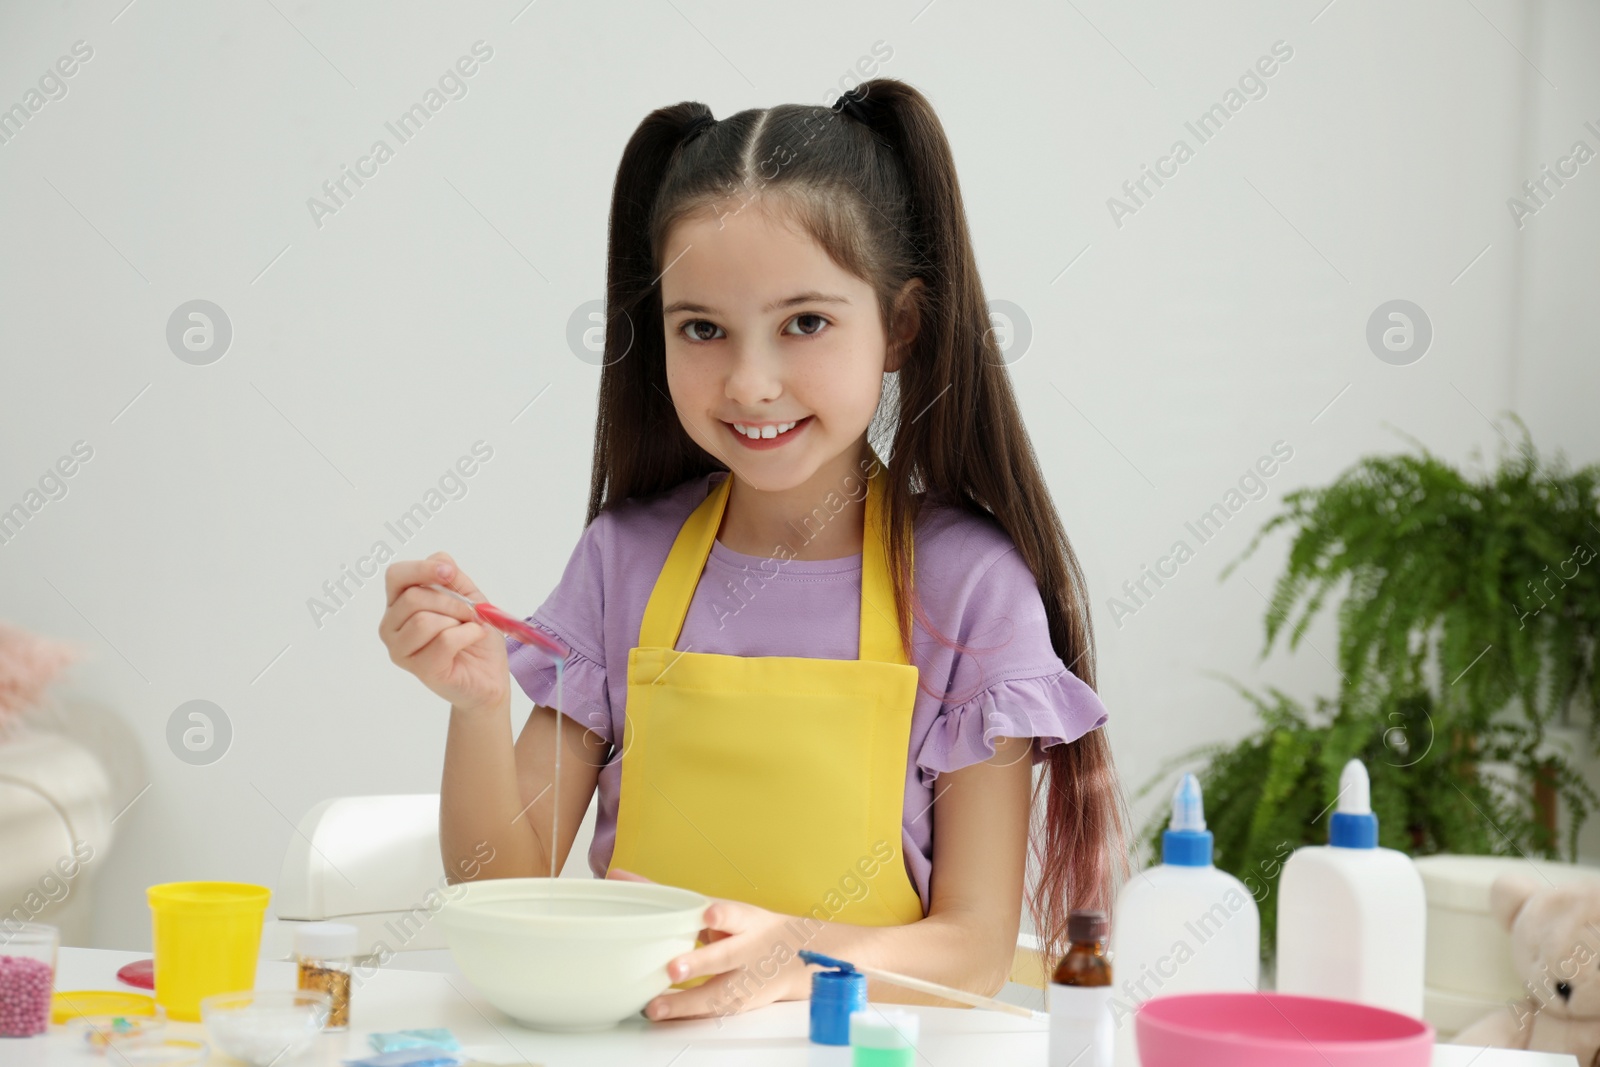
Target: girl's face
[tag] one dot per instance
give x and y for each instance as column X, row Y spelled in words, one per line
column 765, row 332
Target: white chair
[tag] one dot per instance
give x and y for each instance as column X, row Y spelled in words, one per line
column 55, row 817
column 372, row 862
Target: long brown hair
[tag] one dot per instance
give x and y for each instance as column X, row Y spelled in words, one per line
column 872, row 180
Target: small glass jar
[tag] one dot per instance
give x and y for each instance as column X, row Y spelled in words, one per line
column 326, row 955
column 27, row 977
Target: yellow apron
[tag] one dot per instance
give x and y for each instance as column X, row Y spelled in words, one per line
column 774, row 780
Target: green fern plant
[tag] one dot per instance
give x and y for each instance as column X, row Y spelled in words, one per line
column 1484, row 592
column 1469, row 622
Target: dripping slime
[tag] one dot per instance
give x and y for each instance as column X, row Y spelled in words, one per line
column 523, row 633
column 555, row 781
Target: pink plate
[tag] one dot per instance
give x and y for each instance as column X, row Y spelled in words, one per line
column 140, row 973
column 1276, row 1030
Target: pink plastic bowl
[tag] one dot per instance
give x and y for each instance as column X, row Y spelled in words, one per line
column 1276, row 1030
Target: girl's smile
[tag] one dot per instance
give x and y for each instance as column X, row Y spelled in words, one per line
column 765, row 435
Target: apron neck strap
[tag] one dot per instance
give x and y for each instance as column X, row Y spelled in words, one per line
column 668, row 606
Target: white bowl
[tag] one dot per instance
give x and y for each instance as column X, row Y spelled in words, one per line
column 569, row 954
column 265, row 1026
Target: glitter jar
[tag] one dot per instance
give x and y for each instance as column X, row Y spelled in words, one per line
column 326, row 954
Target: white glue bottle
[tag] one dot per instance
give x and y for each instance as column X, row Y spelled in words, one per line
column 1181, row 926
column 1352, row 917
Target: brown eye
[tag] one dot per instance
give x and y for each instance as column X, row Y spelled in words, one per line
column 691, row 330
column 818, row 320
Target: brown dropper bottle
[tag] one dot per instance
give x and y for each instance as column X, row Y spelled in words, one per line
column 1085, row 963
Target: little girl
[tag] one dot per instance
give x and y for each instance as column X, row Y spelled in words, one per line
column 813, row 683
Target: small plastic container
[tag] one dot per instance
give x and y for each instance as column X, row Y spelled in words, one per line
column 835, row 996
column 326, row 953
column 883, row 1037
column 265, row 1026
column 123, row 1030
column 119, row 1031
column 207, row 936
column 27, row 977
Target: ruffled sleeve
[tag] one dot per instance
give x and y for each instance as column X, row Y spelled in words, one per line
column 1055, row 708
column 585, row 696
column 1006, row 678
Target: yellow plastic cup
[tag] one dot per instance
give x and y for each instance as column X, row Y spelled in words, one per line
column 207, row 937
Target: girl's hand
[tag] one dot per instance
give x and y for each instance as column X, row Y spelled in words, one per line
column 438, row 638
column 748, row 950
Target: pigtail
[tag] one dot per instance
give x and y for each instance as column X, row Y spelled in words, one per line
column 934, row 400
column 636, row 424
column 960, row 429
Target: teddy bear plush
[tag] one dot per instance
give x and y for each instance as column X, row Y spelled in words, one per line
column 1555, row 947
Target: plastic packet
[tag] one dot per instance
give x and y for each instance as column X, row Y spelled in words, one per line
column 399, row 1039
column 416, row 1056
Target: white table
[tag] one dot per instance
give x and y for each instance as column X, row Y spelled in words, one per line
column 394, row 999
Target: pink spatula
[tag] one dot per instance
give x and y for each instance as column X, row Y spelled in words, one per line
column 510, row 625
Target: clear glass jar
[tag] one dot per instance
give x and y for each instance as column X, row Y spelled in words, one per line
column 326, row 956
column 27, row 977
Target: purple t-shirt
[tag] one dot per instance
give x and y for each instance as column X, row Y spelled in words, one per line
column 975, row 588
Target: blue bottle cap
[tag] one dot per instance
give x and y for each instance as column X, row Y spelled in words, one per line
column 1187, row 842
column 1354, row 825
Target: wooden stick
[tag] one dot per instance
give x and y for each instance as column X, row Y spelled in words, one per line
column 950, row 993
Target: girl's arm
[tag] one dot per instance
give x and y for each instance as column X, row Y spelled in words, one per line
column 980, row 842
column 968, row 939
column 500, row 795
column 496, row 801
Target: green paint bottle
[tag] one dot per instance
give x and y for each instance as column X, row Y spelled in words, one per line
column 883, row 1037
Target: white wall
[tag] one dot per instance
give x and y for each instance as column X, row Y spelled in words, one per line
column 1554, row 375
column 370, row 352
